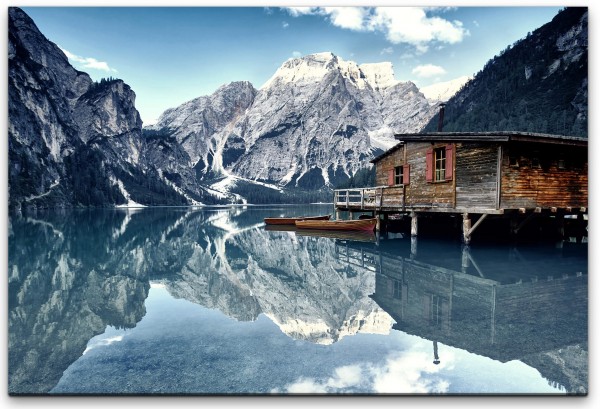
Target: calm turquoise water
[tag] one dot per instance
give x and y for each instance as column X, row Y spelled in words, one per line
column 189, row 301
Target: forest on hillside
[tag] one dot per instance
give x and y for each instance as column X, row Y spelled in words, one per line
column 539, row 84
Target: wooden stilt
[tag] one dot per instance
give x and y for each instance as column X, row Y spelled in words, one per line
column 466, row 228
column 413, row 247
column 413, row 224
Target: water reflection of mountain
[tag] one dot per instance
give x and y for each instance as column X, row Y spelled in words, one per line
column 503, row 303
column 244, row 270
column 67, row 282
column 72, row 274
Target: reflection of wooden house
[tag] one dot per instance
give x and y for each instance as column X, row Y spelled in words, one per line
column 489, row 173
column 455, row 297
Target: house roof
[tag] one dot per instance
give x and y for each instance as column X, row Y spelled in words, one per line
column 501, row 136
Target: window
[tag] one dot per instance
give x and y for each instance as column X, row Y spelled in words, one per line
column 397, row 292
column 440, row 164
column 398, row 175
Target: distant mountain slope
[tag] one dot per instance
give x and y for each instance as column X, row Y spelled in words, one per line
column 539, row 84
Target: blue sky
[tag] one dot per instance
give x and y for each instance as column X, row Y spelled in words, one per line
column 171, row 55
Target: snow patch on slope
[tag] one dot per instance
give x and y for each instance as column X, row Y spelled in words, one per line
column 382, row 138
column 130, row 202
column 443, row 91
column 379, row 75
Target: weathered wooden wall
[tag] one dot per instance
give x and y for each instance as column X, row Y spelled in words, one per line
column 527, row 186
column 420, row 192
column 394, row 159
column 476, row 175
column 475, row 183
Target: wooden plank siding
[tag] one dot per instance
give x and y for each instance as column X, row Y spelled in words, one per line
column 420, row 193
column 531, row 177
column 477, row 175
column 386, row 164
column 492, row 174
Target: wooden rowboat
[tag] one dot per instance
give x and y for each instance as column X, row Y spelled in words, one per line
column 292, row 220
column 346, row 225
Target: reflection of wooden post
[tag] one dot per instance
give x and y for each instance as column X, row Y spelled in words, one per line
column 436, row 358
column 413, row 224
column 580, row 228
column 493, row 334
column 351, row 217
column 466, row 228
column 465, row 259
column 413, row 247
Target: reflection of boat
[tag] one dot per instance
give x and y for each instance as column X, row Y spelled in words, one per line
column 356, row 235
column 280, row 227
column 344, row 225
column 292, row 220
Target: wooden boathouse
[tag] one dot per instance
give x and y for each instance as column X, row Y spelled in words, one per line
column 518, row 176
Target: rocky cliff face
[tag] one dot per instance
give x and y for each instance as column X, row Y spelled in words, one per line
column 73, row 141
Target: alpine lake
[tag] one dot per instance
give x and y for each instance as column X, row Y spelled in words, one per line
column 210, row 301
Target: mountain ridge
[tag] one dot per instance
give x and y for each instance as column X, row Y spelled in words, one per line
column 538, row 84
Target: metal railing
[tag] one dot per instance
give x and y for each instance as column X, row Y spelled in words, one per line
column 369, row 198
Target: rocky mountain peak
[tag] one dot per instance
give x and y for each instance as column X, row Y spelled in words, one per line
column 379, row 75
column 313, row 68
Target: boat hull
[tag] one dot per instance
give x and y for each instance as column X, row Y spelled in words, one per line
column 292, row 220
column 340, row 225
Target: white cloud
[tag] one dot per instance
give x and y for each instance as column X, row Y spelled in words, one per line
column 285, row 24
column 351, row 18
column 407, row 372
column 300, row 11
column 410, row 373
column 409, row 25
column 387, row 50
column 296, row 54
column 88, row 62
column 428, row 70
column 345, row 376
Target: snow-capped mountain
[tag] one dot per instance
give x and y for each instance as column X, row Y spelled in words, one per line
column 443, row 91
column 316, row 121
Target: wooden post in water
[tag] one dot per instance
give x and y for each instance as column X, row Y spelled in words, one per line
column 466, row 228
column 413, row 224
column 413, row 247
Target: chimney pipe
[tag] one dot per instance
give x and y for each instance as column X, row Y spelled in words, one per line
column 441, row 117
